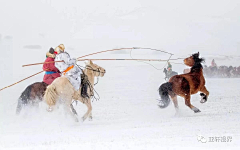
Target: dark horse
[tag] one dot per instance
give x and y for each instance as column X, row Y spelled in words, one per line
column 168, row 76
column 32, row 95
column 185, row 85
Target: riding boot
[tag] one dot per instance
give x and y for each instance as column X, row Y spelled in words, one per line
column 84, row 91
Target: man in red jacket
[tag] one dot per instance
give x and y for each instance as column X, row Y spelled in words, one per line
column 51, row 71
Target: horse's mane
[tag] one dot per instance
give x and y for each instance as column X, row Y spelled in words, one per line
column 198, row 61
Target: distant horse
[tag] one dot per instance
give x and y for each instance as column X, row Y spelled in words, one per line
column 168, row 76
column 32, row 95
column 237, row 71
column 62, row 90
column 185, row 85
column 224, row 71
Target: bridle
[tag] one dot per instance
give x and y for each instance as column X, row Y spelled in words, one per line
column 95, row 70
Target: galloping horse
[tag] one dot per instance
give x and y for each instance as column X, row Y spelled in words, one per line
column 32, row 95
column 185, row 85
column 62, row 89
column 168, row 76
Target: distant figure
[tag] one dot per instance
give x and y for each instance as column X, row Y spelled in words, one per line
column 168, row 76
column 213, row 64
column 169, row 68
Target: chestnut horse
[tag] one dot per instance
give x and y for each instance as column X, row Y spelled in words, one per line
column 185, row 85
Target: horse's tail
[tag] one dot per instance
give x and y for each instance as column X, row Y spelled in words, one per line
column 23, row 99
column 50, row 95
column 163, row 92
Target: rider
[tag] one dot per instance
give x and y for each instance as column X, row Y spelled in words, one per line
column 68, row 68
column 213, row 64
column 169, row 68
column 51, row 72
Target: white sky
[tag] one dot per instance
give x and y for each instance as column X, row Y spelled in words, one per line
column 186, row 26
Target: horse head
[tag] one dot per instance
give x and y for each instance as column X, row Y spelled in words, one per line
column 97, row 70
column 193, row 60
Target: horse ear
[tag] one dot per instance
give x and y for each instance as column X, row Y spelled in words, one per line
column 90, row 62
column 198, row 54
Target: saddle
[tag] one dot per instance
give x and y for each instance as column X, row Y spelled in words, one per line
column 84, row 85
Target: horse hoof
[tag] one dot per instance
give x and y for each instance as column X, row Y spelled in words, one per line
column 203, row 98
column 83, row 119
column 203, row 101
column 196, row 110
column 76, row 120
column 49, row 109
column 17, row 112
column 90, row 119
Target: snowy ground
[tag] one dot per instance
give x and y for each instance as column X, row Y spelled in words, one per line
column 126, row 116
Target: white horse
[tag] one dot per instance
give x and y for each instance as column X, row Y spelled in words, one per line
column 62, row 89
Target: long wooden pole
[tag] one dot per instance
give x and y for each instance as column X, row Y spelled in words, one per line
column 93, row 59
column 122, row 49
column 79, row 57
column 21, row 80
column 105, row 51
column 130, row 59
column 41, row 63
column 108, row 59
column 103, row 59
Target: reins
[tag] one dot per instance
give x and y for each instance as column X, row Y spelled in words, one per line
column 92, row 90
column 98, row 70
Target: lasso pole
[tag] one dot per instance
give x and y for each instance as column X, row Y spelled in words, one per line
column 104, row 52
column 21, row 80
column 41, row 63
column 130, row 59
column 101, row 59
column 108, row 59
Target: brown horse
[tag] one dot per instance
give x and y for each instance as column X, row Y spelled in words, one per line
column 185, row 85
column 32, row 95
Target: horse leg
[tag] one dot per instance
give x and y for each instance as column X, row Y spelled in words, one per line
column 187, row 98
column 175, row 102
column 67, row 107
column 90, row 116
column 204, row 95
column 19, row 106
column 89, row 106
column 73, row 110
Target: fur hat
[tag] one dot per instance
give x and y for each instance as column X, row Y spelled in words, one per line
column 50, row 53
column 59, row 48
column 62, row 47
